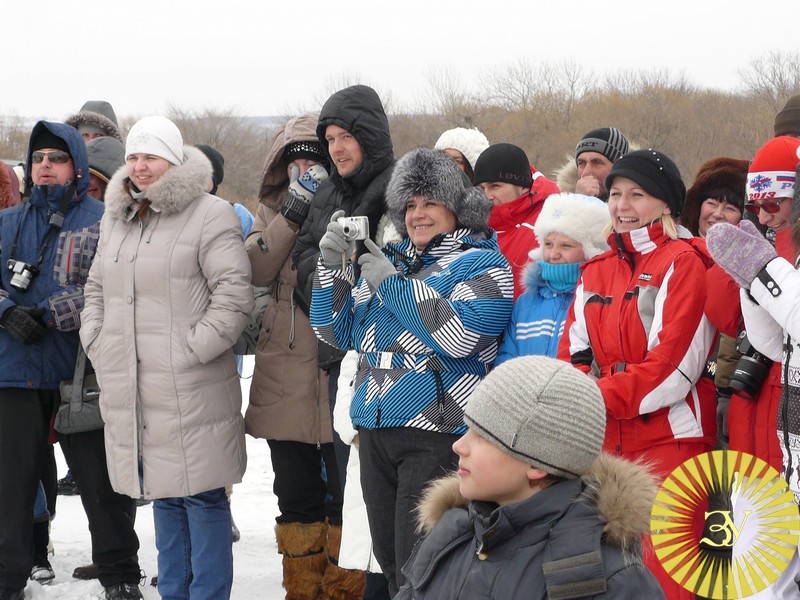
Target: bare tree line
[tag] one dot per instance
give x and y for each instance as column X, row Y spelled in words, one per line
column 544, row 108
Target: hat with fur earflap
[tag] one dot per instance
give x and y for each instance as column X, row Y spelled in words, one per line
column 470, row 142
column 432, row 174
column 581, row 218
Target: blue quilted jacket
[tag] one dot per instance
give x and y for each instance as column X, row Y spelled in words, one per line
column 63, row 271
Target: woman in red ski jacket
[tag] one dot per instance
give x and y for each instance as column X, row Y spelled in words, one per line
column 638, row 324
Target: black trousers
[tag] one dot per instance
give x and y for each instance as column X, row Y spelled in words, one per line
column 396, row 465
column 111, row 515
column 303, row 495
column 24, row 425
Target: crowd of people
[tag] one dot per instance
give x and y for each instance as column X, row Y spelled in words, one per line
column 472, row 378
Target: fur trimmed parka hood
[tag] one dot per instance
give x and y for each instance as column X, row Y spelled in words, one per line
column 622, row 491
column 96, row 121
column 178, row 187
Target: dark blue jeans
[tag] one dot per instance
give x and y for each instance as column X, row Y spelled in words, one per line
column 396, row 465
column 194, row 542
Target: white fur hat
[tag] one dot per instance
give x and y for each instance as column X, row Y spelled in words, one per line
column 582, row 218
column 470, row 142
column 157, row 136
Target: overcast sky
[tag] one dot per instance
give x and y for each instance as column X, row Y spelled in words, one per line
column 266, row 57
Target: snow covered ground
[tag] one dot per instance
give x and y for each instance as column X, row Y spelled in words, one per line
column 257, row 565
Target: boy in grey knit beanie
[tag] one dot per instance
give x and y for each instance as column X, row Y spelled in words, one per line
column 543, row 413
column 536, row 510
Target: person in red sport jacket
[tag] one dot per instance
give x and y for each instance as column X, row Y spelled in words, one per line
column 638, row 324
column 517, row 191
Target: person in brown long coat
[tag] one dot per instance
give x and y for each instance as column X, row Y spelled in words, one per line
column 289, row 404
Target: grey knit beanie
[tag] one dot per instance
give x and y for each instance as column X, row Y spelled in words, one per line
column 432, row 174
column 542, row 411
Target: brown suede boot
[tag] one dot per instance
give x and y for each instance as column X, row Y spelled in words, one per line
column 304, row 558
column 338, row 583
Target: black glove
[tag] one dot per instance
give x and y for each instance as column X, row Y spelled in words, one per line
column 24, row 323
column 301, row 192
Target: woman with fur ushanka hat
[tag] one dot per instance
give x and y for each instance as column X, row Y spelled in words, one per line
column 570, row 230
column 425, row 317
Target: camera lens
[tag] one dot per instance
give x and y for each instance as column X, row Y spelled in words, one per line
column 749, row 375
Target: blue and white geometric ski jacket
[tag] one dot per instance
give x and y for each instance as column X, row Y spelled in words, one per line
column 426, row 337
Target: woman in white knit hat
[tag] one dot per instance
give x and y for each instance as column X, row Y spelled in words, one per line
column 464, row 146
column 168, row 295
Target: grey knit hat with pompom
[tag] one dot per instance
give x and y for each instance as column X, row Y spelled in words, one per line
column 432, row 174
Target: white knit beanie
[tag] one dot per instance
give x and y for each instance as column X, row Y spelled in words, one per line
column 157, row 136
column 542, row 411
column 470, row 142
column 582, row 218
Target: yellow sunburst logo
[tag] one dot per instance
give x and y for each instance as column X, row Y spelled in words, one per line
column 725, row 525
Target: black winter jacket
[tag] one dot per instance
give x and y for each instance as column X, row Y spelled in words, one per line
column 356, row 109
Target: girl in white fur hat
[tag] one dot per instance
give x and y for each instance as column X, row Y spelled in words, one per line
column 570, row 231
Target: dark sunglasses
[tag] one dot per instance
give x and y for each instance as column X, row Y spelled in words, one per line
column 58, row 157
column 770, row 206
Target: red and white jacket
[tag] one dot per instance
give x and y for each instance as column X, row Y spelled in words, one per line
column 513, row 222
column 638, row 324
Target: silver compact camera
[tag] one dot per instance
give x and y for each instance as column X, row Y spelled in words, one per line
column 23, row 273
column 354, row 228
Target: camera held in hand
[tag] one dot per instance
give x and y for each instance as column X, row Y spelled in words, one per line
column 354, row 228
column 23, row 273
column 751, row 369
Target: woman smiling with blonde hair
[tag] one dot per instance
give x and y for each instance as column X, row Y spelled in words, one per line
column 638, row 324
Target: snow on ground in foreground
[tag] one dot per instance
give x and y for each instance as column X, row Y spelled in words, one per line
column 256, row 562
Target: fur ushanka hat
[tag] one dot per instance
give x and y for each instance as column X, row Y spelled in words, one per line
column 432, row 174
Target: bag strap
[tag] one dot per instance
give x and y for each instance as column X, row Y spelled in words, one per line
column 76, row 400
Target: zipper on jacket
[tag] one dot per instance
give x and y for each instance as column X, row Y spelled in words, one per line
column 291, row 322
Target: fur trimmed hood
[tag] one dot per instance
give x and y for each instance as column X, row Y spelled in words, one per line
column 434, row 175
column 622, row 491
column 172, row 193
column 96, row 121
